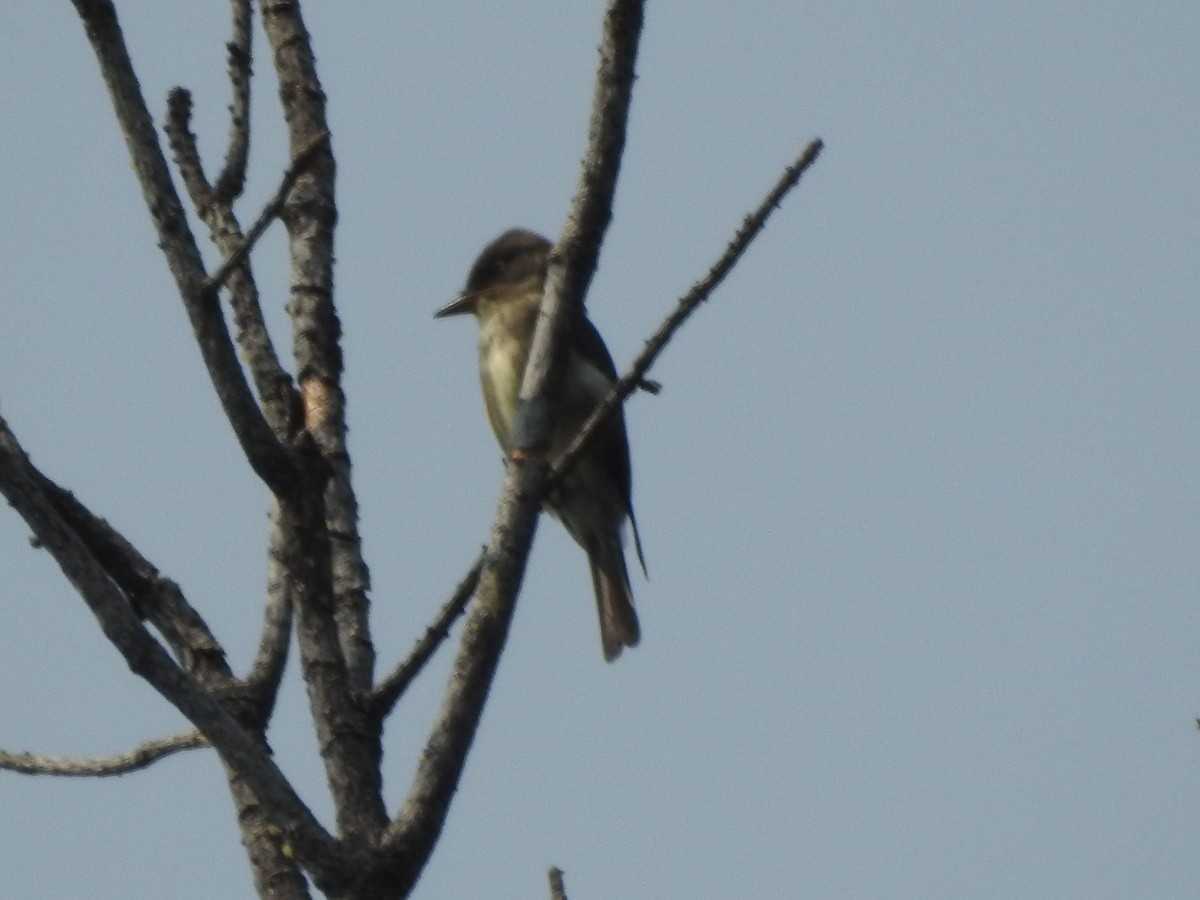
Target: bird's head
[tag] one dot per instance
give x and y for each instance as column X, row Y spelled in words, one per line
column 510, row 267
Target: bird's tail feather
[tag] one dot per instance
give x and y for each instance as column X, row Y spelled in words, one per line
column 614, row 599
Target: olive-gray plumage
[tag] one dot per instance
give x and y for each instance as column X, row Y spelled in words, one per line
column 504, row 292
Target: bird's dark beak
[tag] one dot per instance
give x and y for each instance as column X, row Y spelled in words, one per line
column 464, row 303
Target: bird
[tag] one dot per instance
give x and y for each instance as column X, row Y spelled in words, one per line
column 593, row 500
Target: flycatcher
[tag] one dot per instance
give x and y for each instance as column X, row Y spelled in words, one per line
column 504, row 292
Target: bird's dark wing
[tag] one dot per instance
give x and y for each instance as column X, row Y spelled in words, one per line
column 610, row 442
column 591, row 346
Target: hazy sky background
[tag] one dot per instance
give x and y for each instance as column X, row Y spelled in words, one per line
column 919, row 496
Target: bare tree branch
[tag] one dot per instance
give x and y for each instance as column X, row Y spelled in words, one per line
column 162, row 602
column 232, row 179
column 152, row 596
column 591, row 207
column 391, row 688
column 349, row 739
column 262, row 683
column 333, row 590
column 281, row 402
column 186, row 152
column 238, row 748
column 273, row 865
column 140, row 757
column 274, row 862
column 558, row 890
column 635, row 377
column 266, row 455
column 420, row 820
column 310, row 217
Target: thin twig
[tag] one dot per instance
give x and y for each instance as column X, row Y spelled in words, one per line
column 232, row 179
column 271, row 211
column 558, row 890
column 140, row 757
column 262, row 683
column 185, row 149
column 391, row 688
column 635, row 376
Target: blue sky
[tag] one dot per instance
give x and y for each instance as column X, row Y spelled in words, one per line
column 919, row 496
